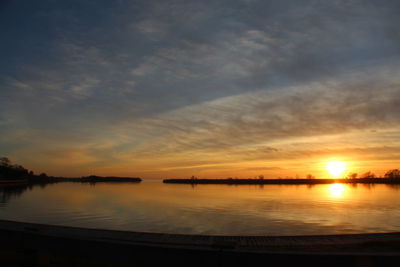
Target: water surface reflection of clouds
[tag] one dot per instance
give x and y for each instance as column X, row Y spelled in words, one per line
column 212, row 209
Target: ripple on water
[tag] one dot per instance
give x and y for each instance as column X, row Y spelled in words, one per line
column 209, row 209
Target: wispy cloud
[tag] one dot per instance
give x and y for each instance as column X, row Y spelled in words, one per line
column 183, row 86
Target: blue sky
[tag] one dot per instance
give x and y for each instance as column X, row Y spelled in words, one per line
column 209, row 88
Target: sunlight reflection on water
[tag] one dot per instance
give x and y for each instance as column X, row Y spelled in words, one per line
column 211, row 209
column 337, row 190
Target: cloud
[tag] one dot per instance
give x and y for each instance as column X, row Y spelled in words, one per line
column 203, row 85
column 334, row 106
column 84, row 89
column 264, row 169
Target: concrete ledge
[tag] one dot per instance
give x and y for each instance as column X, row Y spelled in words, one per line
column 152, row 249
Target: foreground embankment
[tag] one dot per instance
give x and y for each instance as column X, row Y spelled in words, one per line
column 49, row 245
column 284, row 181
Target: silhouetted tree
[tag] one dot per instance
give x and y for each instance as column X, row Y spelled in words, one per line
column 368, row 175
column 352, row 175
column 4, row 161
column 310, row 176
column 9, row 171
column 19, row 168
column 193, row 177
column 395, row 173
column 261, row 177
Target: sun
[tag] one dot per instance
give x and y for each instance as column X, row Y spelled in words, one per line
column 336, row 168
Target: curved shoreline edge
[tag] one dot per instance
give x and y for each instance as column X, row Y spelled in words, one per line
column 239, row 243
column 156, row 248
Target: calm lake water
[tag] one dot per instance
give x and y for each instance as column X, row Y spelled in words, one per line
column 152, row 206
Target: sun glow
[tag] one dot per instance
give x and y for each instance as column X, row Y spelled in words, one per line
column 336, row 168
column 337, row 190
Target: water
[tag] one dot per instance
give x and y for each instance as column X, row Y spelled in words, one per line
column 152, row 206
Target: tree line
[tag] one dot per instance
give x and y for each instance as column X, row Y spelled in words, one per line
column 390, row 174
column 9, row 171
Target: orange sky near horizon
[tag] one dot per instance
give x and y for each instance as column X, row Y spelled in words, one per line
column 283, row 162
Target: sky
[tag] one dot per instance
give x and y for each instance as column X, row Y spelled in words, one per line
column 214, row 89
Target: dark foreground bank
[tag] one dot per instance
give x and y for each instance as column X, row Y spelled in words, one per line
column 48, row 245
column 284, row 181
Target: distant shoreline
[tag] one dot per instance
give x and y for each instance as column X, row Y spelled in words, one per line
column 52, row 180
column 101, row 179
column 284, row 181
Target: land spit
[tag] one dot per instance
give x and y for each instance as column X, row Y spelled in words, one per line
column 284, row 181
column 50, row 245
column 101, row 179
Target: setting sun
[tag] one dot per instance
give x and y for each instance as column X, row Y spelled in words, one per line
column 336, row 168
